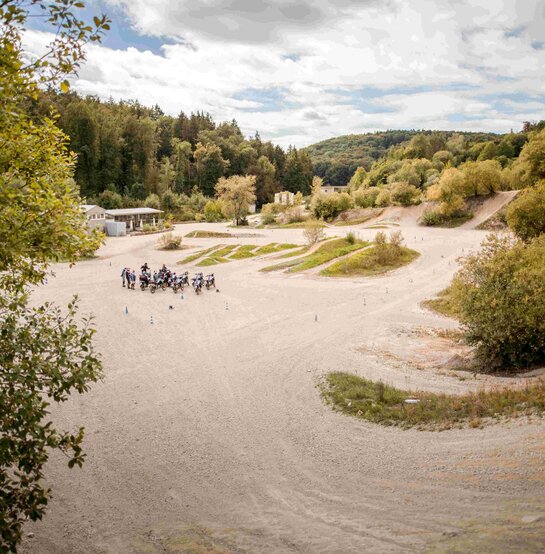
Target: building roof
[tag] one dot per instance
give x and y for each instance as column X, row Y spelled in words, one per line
column 133, row 211
column 87, row 207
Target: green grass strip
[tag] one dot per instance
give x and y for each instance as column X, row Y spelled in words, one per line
column 207, row 235
column 368, row 263
column 244, row 251
column 274, row 247
column 199, row 254
column 383, row 404
column 212, row 261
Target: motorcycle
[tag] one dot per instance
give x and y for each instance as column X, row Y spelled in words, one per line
column 210, row 281
column 197, row 283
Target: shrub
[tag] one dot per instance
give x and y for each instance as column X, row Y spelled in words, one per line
column 294, row 214
column 269, row 213
column 383, row 198
column 313, row 232
column 350, row 238
column 110, row 200
column 152, row 201
column 431, row 217
column 526, row 214
column 366, row 198
column 170, row 201
column 212, row 211
column 404, row 194
column 185, row 213
column 502, row 301
column 396, row 239
column 168, row 241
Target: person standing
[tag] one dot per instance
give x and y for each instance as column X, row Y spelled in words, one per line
column 124, row 276
column 133, row 279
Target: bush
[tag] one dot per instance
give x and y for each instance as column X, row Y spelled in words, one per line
column 431, row 217
column 168, row 241
column 152, row 201
column 502, row 301
column 350, row 238
column 366, row 198
column 212, row 211
column 294, row 214
column 396, row 239
column 170, row 201
column 404, row 194
column 269, row 213
column 526, row 214
column 383, row 198
column 110, row 200
column 313, row 232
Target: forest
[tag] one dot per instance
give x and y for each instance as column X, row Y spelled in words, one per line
column 127, row 153
column 336, row 159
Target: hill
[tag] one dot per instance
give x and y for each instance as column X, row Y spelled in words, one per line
column 336, row 159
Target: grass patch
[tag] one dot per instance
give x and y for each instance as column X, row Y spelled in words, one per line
column 328, row 251
column 293, row 253
column 368, row 263
column 208, row 235
column 295, row 225
column 381, row 403
column 245, row 251
column 445, row 303
column 199, row 254
column 212, row 261
column 356, row 221
column 274, row 247
column 217, row 256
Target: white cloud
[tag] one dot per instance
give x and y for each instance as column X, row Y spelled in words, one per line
column 305, row 50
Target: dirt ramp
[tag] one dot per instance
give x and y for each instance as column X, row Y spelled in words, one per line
column 489, row 207
column 399, row 214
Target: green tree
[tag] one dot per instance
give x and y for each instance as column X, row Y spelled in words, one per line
column 45, row 354
column 110, row 200
column 236, row 193
column 501, row 297
column 526, row 214
column 532, row 156
column 482, row 178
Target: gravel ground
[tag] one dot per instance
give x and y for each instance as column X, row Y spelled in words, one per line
column 208, row 433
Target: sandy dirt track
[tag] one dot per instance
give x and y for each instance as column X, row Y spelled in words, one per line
column 208, row 433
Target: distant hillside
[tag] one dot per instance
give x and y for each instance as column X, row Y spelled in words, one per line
column 336, row 159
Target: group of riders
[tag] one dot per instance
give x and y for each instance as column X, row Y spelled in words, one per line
column 165, row 278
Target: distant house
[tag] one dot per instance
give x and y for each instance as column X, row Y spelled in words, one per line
column 328, row 189
column 135, row 218
column 96, row 216
column 285, row 198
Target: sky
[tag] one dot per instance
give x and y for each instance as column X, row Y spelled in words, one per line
column 300, row 71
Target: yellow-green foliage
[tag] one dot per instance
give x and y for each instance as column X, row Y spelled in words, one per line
column 199, row 254
column 384, row 404
column 447, row 302
column 274, row 247
column 502, row 301
column 526, row 214
column 245, row 251
column 369, row 262
column 328, row 251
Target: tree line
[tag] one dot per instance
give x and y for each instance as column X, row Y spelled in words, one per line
column 134, row 151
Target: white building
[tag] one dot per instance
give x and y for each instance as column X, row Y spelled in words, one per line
column 285, row 198
column 96, row 216
column 135, row 218
column 327, row 189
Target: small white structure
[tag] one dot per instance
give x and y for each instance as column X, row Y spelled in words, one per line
column 96, row 216
column 285, row 198
column 116, row 228
column 328, row 189
column 135, row 218
column 251, row 208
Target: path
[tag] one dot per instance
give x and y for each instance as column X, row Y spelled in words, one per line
column 209, row 427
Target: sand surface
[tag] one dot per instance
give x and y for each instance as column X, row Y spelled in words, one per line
column 208, row 433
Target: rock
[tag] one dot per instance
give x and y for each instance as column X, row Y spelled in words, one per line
column 30, row 535
column 531, row 518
